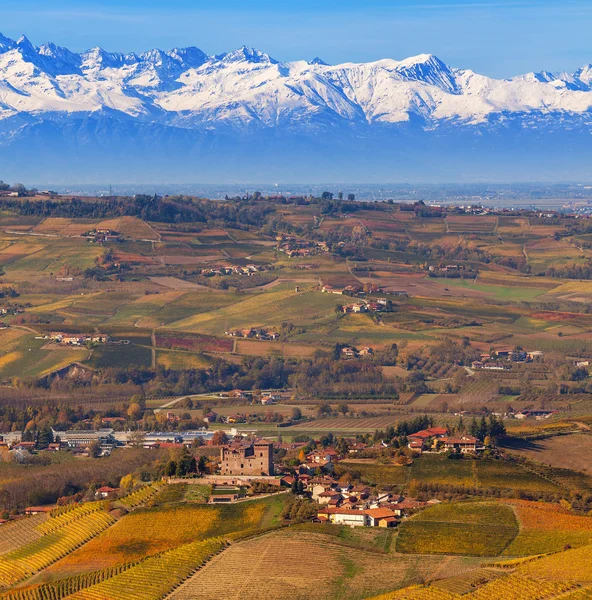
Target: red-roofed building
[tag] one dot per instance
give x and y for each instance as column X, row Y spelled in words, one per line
column 35, row 510
column 106, row 492
column 464, row 444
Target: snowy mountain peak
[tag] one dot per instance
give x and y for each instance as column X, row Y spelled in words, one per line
column 63, row 59
column 99, row 58
column 190, row 58
column 585, row 74
column 6, row 43
column 237, row 90
column 428, row 68
column 247, row 54
column 24, row 43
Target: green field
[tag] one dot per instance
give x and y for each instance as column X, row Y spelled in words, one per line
column 472, row 528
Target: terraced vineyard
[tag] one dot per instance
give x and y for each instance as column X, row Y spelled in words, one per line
column 154, row 577
column 547, row 528
column 65, row 518
column 36, row 555
column 55, row 590
column 141, row 496
column 18, row 533
column 519, row 587
column 255, row 569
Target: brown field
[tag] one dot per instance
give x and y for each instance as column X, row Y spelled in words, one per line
column 136, row 229
column 133, row 258
column 285, row 566
column 52, row 225
column 18, row 533
column 418, row 284
column 178, row 259
column 395, row 371
column 476, row 223
column 266, row 348
column 177, row 284
column 565, row 451
column 370, row 423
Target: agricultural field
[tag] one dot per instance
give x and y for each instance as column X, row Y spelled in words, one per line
column 564, row 574
column 148, row 531
column 347, row 572
column 564, row 451
column 432, row 311
column 474, row 529
column 547, row 528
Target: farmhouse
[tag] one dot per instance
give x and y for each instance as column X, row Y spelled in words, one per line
column 534, row 414
column 106, row 492
column 329, row 289
column 248, row 458
column 370, row 517
column 463, row 444
column 35, row 510
column 419, row 439
column 322, row 456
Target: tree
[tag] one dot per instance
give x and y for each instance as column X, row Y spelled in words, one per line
column 136, row 439
column 138, row 399
column 126, row 483
column 94, row 449
column 45, row 437
column 414, row 488
column 219, row 438
column 343, row 408
column 482, row 431
column 202, row 465
column 296, row 414
column 170, row 468
column 134, row 411
column 327, row 196
column 351, row 197
column 302, row 456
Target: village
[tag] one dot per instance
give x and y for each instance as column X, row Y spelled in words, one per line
column 69, row 339
column 500, row 359
column 299, row 248
column 238, row 466
column 246, row 271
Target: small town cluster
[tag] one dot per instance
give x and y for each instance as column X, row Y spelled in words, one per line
column 500, row 359
column 238, row 464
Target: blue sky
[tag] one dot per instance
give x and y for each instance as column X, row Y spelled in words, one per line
column 496, row 37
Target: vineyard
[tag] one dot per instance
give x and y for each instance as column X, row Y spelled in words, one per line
column 141, row 496
column 519, row 587
column 547, row 528
column 169, row 494
column 514, row 587
column 149, row 531
column 285, row 564
column 18, row 533
column 153, row 578
column 476, row 529
column 55, row 590
column 566, row 575
column 195, row 343
column 34, row 556
column 74, row 513
column 374, row 474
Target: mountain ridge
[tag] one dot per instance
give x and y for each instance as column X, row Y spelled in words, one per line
column 50, row 95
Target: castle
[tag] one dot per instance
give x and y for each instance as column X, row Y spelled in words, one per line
column 249, row 458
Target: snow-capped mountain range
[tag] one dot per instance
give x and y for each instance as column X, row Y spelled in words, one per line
column 184, row 102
